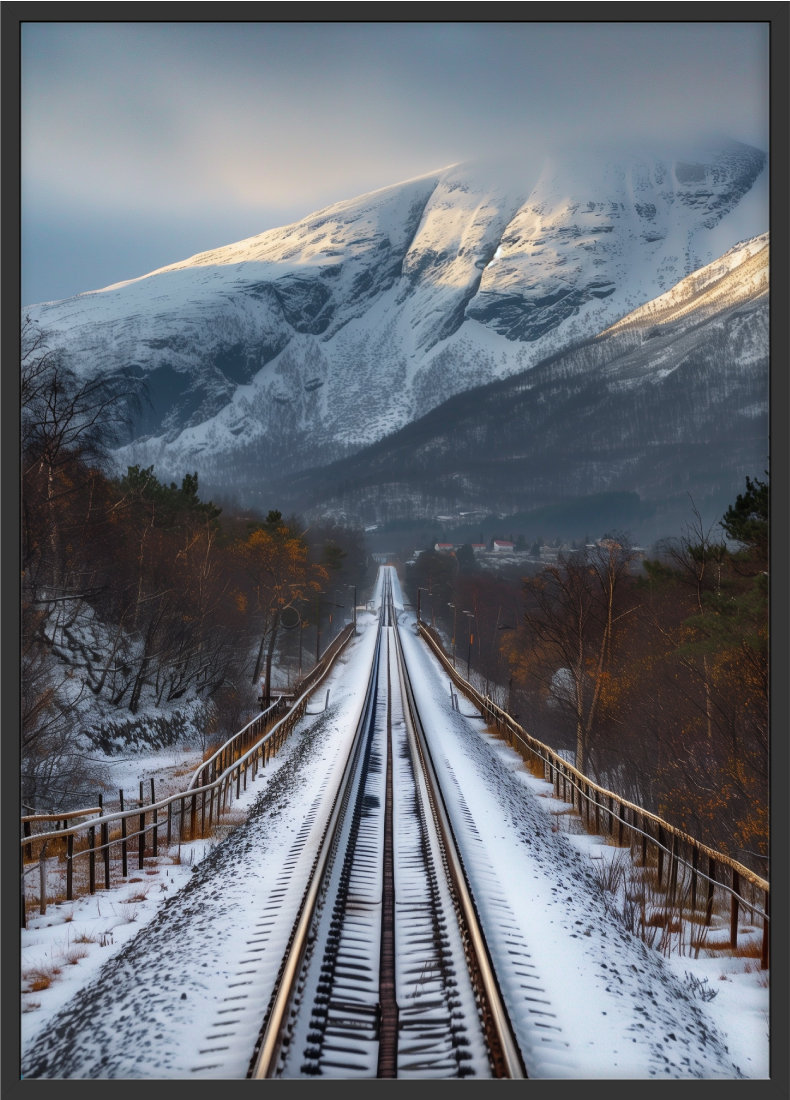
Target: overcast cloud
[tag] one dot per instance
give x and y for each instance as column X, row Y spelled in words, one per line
column 144, row 143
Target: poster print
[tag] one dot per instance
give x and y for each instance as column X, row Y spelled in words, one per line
column 394, row 550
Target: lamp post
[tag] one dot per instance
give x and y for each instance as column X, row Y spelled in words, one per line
column 455, row 619
column 470, row 614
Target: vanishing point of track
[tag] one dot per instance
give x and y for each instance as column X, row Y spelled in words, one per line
column 387, row 973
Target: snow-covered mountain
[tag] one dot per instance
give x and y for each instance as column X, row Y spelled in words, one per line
column 670, row 400
column 306, row 343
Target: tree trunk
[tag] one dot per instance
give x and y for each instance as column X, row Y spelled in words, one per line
column 259, row 658
column 269, row 655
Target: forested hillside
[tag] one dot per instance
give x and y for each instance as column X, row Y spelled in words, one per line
column 652, row 673
column 147, row 613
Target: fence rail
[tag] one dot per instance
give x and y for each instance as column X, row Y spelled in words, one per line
column 240, row 741
column 189, row 813
column 654, row 836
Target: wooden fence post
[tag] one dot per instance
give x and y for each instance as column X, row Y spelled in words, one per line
column 736, row 886
column 673, row 868
column 28, row 849
column 193, row 818
column 169, row 823
column 70, row 867
column 643, row 827
column 694, row 866
column 124, row 853
column 156, row 819
column 181, row 823
column 660, row 849
column 92, row 858
column 711, row 888
column 620, row 812
column 105, row 840
column 141, row 838
column 42, row 880
column 23, row 906
column 765, row 953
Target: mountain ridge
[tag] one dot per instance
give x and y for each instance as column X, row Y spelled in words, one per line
column 307, row 343
column 669, row 401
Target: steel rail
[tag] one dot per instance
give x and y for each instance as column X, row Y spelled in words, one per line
column 507, row 1059
column 265, row 1062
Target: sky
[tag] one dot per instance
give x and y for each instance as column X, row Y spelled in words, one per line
column 144, row 143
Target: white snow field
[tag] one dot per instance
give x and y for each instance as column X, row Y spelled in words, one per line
column 185, row 997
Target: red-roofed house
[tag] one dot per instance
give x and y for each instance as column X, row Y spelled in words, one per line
column 444, row 547
column 502, row 546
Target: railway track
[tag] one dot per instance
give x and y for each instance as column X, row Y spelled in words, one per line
column 387, row 973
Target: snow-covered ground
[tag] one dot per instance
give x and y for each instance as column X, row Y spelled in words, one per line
column 181, row 990
column 186, row 995
column 587, row 998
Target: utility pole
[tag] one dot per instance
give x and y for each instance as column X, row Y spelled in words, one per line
column 455, row 621
column 318, row 628
column 471, row 639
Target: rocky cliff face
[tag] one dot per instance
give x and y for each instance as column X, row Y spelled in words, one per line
column 307, row 343
column 670, row 400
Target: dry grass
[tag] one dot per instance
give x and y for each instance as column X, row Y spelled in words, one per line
column 74, row 954
column 40, row 978
column 141, row 895
column 666, row 921
column 189, row 769
column 31, row 1006
column 127, row 911
column 85, row 937
column 750, row 948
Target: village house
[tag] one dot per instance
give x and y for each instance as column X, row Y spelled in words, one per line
column 502, row 546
